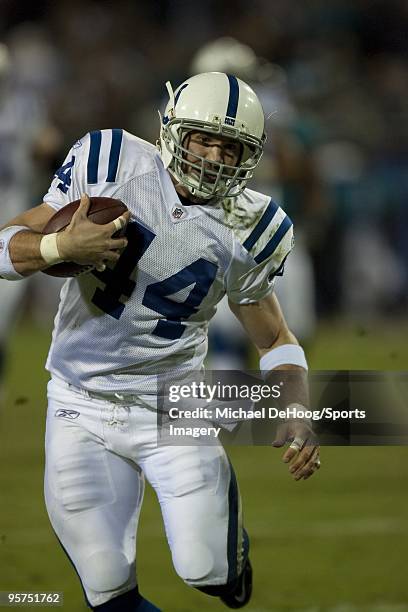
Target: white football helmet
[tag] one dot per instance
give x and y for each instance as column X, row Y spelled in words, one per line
column 222, row 105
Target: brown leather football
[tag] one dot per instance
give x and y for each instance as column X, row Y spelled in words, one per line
column 101, row 210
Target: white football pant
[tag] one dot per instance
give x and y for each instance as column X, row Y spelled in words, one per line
column 97, row 453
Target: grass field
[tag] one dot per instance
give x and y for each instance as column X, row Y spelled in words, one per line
column 336, row 543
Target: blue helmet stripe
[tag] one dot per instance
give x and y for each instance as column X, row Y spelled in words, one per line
column 275, row 240
column 233, row 97
column 262, row 225
column 117, row 136
column 176, row 97
column 93, row 159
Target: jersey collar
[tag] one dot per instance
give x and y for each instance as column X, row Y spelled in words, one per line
column 178, row 207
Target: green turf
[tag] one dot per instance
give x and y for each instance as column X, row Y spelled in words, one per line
column 334, row 543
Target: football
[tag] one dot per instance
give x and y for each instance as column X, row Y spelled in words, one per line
column 101, row 210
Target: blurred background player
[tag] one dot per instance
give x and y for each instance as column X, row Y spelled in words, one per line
column 27, row 144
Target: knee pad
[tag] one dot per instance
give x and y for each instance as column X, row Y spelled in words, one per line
column 193, row 562
column 105, row 570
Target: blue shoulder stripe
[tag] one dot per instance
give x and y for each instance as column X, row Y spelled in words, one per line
column 262, row 225
column 275, row 240
column 117, row 136
column 93, row 159
column 233, row 97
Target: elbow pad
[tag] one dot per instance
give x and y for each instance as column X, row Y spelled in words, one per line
column 7, row 269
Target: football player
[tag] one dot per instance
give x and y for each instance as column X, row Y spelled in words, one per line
column 195, row 232
column 25, row 136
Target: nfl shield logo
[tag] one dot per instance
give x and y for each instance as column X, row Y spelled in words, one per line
column 177, row 213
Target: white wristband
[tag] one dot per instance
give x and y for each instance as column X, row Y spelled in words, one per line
column 7, row 269
column 49, row 249
column 286, row 354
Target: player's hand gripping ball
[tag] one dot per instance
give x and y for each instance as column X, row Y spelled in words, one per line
column 102, row 210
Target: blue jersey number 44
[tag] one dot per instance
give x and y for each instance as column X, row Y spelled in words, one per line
column 199, row 275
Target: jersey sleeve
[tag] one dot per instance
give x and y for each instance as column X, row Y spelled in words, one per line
column 259, row 257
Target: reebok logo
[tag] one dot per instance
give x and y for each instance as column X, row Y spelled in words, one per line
column 64, row 413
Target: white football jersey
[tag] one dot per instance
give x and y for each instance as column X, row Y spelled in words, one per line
column 119, row 330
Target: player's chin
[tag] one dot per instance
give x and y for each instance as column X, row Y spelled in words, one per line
column 210, row 178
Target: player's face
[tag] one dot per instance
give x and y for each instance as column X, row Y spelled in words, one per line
column 215, row 150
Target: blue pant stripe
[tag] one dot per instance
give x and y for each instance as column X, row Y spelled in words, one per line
column 93, row 159
column 262, row 225
column 117, row 136
column 274, row 241
column 232, row 541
